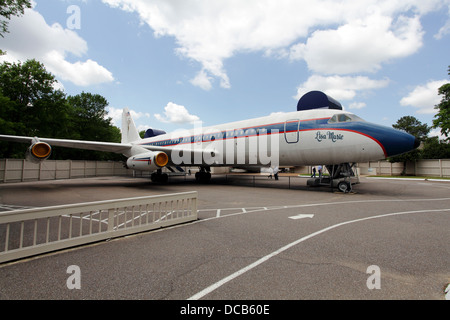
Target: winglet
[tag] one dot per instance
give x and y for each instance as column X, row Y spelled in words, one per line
column 129, row 131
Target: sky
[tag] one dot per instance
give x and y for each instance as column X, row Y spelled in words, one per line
column 174, row 62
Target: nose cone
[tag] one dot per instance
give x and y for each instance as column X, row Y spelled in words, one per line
column 392, row 141
column 398, row 142
column 416, row 143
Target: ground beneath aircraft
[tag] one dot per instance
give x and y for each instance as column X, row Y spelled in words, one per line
column 255, row 239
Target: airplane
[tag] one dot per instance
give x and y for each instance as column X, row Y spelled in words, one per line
column 319, row 132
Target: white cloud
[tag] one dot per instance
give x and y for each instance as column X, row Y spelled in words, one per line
column 445, row 29
column 333, row 37
column 437, row 133
column 202, row 80
column 174, row 113
column 116, row 115
column 340, row 87
column 357, row 105
column 80, row 73
column 424, row 97
column 30, row 37
column 361, row 45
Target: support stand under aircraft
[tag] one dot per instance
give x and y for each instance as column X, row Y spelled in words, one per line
column 340, row 177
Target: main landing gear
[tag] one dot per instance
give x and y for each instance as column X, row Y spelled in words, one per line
column 204, row 175
column 159, row 177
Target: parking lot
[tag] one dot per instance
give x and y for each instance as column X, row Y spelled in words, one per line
column 256, row 238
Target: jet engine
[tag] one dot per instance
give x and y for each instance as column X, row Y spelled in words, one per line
column 38, row 151
column 149, row 161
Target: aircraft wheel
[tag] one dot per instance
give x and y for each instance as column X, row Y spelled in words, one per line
column 344, row 186
column 164, row 178
column 159, row 178
column 203, row 177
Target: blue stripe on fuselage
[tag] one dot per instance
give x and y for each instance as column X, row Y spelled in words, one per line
column 392, row 141
column 242, row 132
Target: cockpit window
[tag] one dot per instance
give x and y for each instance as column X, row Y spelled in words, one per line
column 344, row 117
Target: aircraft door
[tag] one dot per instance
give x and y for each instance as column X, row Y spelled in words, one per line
column 291, row 131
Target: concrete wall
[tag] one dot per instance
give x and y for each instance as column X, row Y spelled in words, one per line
column 17, row 170
column 433, row 168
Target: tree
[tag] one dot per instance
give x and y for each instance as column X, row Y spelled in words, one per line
column 435, row 149
column 35, row 101
column 26, row 82
column 31, row 106
column 10, row 8
column 88, row 112
column 414, row 127
column 442, row 118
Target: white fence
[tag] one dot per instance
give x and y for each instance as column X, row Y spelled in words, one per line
column 34, row 231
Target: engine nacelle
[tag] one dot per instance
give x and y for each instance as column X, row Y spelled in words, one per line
column 38, row 151
column 149, row 161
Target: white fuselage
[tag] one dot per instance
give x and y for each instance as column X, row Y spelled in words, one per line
column 286, row 139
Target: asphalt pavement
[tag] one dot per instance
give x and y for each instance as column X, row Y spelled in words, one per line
column 256, row 239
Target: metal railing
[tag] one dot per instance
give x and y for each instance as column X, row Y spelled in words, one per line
column 30, row 232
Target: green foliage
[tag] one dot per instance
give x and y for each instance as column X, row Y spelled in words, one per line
column 414, row 127
column 31, row 106
column 10, row 8
column 431, row 148
column 435, row 149
column 442, row 118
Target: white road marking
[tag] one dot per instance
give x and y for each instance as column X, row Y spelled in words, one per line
column 301, row 216
column 7, row 207
column 257, row 209
column 225, row 280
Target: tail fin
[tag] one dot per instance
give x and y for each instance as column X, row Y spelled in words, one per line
column 129, row 131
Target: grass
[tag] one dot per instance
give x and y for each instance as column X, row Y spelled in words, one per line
column 412, row 177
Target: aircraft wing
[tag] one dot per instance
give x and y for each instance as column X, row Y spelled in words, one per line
column 77, row 144
column 98, row 145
